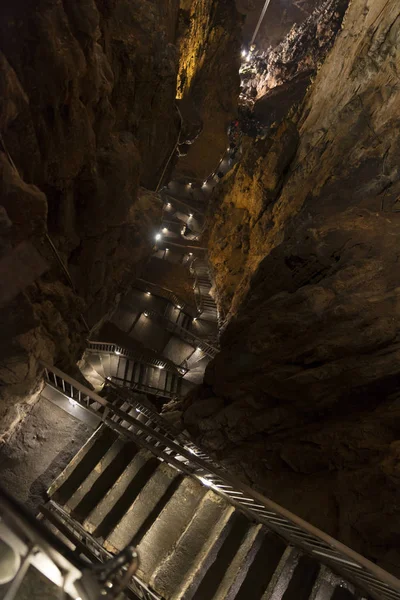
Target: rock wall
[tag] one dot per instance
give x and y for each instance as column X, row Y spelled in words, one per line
column 87, row 115
column 208, row 81
column 303, row 399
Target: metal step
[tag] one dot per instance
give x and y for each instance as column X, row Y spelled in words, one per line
column 203, row 529
column 102, row 478
column 212, row 578
column 234, row 576
column 168, row 527
column 101, row 468
column 303, row 579
column 262, row 568
column 143, row 510
column 82, row 465
column 114, row 504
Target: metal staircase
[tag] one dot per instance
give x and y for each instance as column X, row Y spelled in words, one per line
column 201, row 534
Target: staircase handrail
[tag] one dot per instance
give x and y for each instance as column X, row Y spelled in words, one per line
column 178, row 201
column 144, row 358
column 163, row 292
column 378, row 582
column 206, row 347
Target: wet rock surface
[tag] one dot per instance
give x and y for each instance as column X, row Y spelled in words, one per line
column 303, row 243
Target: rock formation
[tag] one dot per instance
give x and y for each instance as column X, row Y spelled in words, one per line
column 89, row 126
column 208, row 81
column 303, row 398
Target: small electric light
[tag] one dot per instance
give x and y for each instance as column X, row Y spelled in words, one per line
column 194, row 318
column 117, row 352
column 148, row 293
column 146, row 314
column 244, row 52
column 190, row 253
column 179, row 306
column 190, row 215
column 158, row 237
column 165, row 230
column 160, row 366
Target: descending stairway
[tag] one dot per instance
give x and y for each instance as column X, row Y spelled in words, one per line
column 203, row 279
column 201, row 534
column 192, row 542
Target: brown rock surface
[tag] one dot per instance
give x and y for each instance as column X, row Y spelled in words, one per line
column 87, row 114
column 208, row 80
column 304, row 248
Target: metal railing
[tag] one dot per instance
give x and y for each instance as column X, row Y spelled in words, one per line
column 143, row 387
column 91, row 549
column 380, row 584
column 185, row 334
column 141, row 357
column 173, row 199
column 158, row 290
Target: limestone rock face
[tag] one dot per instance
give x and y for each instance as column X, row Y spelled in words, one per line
column 88, row 119
column 208, row 79
column 304, row 247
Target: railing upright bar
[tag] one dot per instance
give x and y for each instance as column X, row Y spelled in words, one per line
column 285, row 523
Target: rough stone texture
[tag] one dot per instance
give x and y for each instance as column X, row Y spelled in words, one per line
column 297, row 56
column 280, row 17
column 208, row 80
column 38, row 451
column 87, row 115
column 306, row 269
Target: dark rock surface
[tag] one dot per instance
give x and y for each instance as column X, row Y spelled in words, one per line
column 87, row 115
column 304, row 249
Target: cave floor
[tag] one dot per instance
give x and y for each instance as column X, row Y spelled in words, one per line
column 39, row 450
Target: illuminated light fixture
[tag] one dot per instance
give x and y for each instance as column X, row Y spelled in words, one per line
column 198, row 349
column 190, row 253
column 148, row 293
column 158, row 237
column 166, row 249
column 109, row 378
column 117, row 352
column 137, row 410
column 190, row 215
column 165, row 230
column 146, row 314
column 190, row 185
column 194, row 318
column 244, row 52
column 160, row 366
column 205, row 182
column 168, row 204
column 179, row 306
